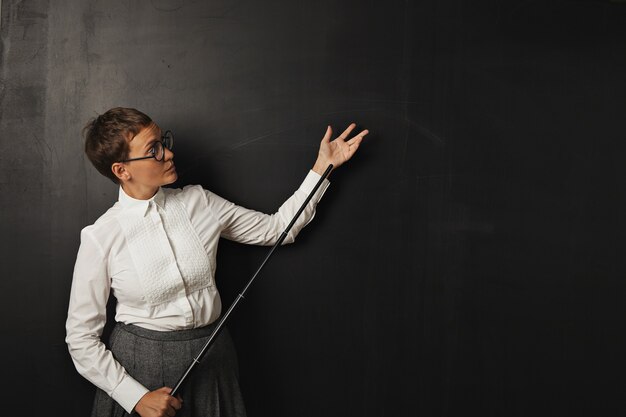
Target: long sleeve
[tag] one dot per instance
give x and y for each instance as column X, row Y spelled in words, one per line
column 252, row 227
column 85, row 321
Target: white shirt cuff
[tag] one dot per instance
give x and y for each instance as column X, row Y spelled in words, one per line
column 309, row 183
column 128, row 393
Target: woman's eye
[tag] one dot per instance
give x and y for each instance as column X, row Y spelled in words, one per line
column 152, row 151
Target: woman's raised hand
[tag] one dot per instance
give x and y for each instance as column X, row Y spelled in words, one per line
column 338, row 151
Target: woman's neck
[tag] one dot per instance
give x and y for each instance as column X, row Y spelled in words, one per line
column 142, row 192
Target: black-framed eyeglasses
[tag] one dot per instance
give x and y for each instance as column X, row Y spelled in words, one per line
column 158, row 148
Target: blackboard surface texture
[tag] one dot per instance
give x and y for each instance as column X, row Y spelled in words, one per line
column 468, row 261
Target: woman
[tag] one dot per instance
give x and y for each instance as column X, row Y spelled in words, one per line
column 154, row 250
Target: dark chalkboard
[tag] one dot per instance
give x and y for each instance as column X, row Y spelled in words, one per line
column 468, row 261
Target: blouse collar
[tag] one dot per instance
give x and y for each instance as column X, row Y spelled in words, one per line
column 141, row 206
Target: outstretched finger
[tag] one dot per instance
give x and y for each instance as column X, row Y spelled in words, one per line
column 346, row 132
column 328, row 134
column 358, row 137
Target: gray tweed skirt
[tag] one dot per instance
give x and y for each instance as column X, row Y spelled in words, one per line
column 158, row 359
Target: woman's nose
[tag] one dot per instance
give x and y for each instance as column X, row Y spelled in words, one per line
column 168, row 154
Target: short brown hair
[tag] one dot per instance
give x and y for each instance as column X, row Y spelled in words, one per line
column 106, row 137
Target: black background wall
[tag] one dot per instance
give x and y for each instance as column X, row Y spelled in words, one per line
column 468, row 261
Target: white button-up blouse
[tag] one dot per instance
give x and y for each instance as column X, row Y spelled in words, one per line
column 157, row 257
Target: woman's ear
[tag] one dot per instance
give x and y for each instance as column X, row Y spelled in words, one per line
column 120, row 171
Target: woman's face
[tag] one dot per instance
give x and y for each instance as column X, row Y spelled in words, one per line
column 149, row 173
